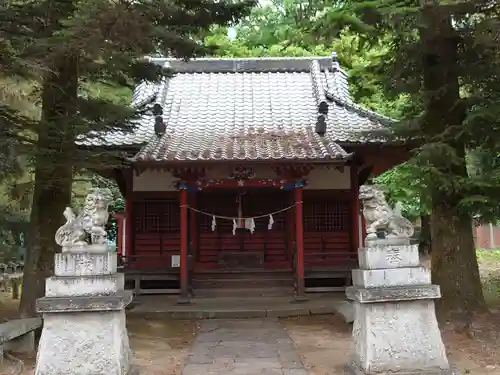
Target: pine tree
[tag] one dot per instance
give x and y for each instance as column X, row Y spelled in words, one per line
column 445, row 55
column 11, row 120
column 69, row 47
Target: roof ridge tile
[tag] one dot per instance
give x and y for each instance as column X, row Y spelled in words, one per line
column 213, row 112
column 359, row 109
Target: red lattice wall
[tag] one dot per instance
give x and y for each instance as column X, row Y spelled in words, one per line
column 328, row 237
column 327, row 228
column 156, row 231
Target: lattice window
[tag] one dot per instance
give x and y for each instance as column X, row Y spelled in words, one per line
column 157, row 216
column 326, row 216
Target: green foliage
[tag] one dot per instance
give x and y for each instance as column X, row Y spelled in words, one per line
column 489, row 262
column 403, row 186
column 14, row 224
column 484, row 170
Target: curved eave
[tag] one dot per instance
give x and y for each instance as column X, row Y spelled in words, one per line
column 343, row 161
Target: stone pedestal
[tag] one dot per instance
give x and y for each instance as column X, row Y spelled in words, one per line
column 395, row 329
column 84, row 331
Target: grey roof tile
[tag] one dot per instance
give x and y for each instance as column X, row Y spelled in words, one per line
column 248, row 109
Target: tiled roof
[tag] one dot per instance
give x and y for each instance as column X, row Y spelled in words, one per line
column 260, row 108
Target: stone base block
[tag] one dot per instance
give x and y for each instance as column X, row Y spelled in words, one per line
column 103, row 303
column 353, row 369
column 69, row 286
column 22, row 344
column 391, row 277
column 377, row 255
column 85, row 264
column 387, row 241
column 398, row 336
column 392, row 294
column 84, row 344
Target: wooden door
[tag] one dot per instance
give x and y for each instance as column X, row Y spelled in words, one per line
column 220, row 247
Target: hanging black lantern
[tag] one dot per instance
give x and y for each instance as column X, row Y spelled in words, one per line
column 321, row 125
column 323, row 108
column 160, row 127
column 157, row 110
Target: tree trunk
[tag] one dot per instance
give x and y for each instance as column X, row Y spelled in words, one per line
column 53, row 177
column 424, row 246
column 454, row 263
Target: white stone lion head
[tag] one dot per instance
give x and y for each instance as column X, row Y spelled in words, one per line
column 97, row 199
column 372, row 195
column 95, row 208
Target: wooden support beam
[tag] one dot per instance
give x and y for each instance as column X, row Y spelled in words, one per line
column 183, row 202
column 290, row 227
column 299, row 240
column 129, row 228
column 193, row 229
column 120, row 220
column 354, row 208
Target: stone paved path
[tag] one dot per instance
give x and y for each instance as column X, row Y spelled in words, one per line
column 243, row 347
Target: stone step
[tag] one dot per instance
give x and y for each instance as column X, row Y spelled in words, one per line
column 243, row 292
column 238, row 307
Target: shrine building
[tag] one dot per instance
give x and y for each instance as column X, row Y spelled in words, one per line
column 245, row 177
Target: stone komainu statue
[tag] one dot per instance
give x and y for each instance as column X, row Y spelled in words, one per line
column 380, row 217
column 87, row 227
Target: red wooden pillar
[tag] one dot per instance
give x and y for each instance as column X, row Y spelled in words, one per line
column 183, row 202
column 354, row 208
column 193, row 234
column 290, row 226
column 363, row 229
column 129, row 214
column 299, row 240
column 119, row 217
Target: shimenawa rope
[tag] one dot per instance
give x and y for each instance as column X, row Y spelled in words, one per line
column 242, row 218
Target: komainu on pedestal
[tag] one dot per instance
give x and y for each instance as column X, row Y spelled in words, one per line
column 84, row 330
column 380, row 217
column 395, row 329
